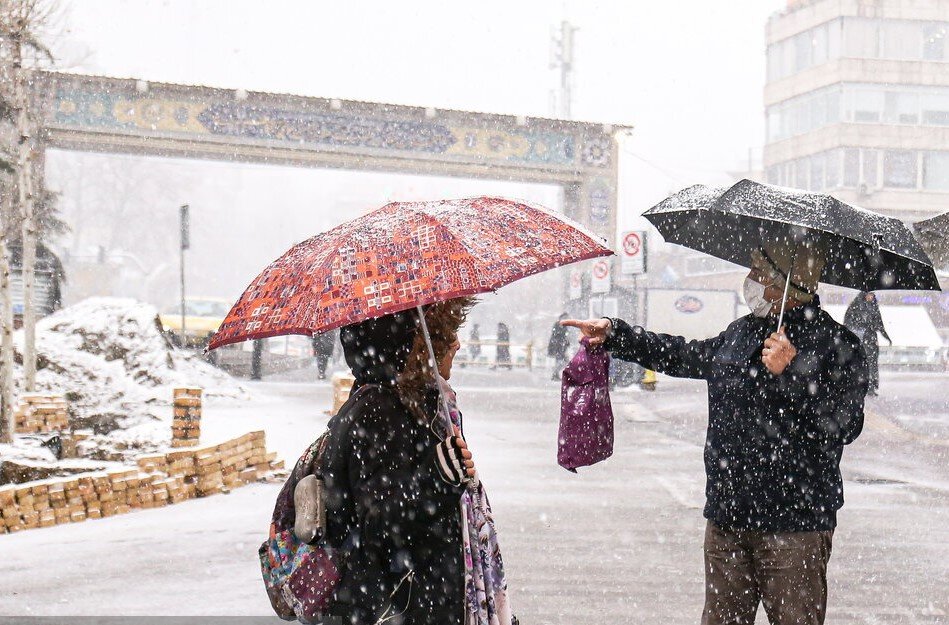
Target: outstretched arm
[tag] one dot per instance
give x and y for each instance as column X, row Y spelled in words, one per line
column 668, row 354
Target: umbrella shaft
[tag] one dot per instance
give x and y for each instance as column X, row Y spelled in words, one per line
column 434, row 365
column 787, row 287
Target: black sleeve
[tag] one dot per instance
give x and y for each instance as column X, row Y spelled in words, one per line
column 668, row 354
column 826, row 388
column 397, row 490
column 878, row 320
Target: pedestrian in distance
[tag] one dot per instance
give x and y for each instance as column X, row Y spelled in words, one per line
column 502, row 356
column 557, row 347
column 474, row 345
column 323, row 346
column 863, row 319
column 405, row 503
column 782, row 405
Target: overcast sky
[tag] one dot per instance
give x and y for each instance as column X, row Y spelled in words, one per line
column 687, row 74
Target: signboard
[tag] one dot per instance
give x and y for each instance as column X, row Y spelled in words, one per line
column 604, row 307
column 694, row 314
column 576, row 285
column 600, row 283
column 633, row 253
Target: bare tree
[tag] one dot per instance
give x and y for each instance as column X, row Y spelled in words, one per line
column 21, row 53
column 9, row 224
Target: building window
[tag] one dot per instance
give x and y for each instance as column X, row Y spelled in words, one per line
column 817, row 173
column 934, row 41
column 901, row 108
column 869, row 168
column 804, row 50
column 901, row 40
column 800, row 174
column 851, row 167
column 936, row 171
column 861, row 38
column 899, row 169
column 935, row 107
column 832, row 169
column 867, row 105
column 835, row 38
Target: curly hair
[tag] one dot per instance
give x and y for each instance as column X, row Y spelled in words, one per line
column 443, row 320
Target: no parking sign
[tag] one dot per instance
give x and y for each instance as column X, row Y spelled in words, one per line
column 600, row 282
column 634, row 253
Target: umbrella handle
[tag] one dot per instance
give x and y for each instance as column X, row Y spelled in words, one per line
column 434, row 365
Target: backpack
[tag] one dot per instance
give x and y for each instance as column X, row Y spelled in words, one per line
column 300, row 577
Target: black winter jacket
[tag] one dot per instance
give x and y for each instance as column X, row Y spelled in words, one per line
column 395, row 518
column 774, row 443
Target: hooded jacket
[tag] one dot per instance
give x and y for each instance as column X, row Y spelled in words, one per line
column 774, row 443
column 397, row 522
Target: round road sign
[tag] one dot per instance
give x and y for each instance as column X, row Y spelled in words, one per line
column 632, row 244
column 600, row 270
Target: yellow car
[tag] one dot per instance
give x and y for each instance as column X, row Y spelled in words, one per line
column 203, row 316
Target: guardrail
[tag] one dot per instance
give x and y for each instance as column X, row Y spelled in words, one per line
column 899, row 357
column 522, row 354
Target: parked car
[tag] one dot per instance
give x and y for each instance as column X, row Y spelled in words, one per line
column 203, row 316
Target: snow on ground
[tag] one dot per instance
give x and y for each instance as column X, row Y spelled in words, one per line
column 619, row 543
column 109, row 358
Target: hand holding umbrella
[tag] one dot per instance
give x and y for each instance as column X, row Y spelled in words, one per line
column 778, row 352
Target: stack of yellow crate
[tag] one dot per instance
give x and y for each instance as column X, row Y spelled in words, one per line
column 38, row 413
column 186, row 426
column 158, row 480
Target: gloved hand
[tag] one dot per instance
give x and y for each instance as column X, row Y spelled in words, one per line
column 453, row 460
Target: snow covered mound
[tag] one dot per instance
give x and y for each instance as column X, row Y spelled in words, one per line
column 109, row 358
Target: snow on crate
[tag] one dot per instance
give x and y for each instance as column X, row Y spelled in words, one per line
column 110, row 360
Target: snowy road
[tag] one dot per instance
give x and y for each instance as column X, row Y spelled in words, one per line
column 619, row 543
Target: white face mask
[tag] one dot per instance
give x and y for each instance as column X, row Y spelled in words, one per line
column 754, row 297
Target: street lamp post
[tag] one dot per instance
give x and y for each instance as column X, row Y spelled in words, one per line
column 185, row 244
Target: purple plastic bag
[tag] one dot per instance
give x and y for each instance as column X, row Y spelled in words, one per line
column 586, row 416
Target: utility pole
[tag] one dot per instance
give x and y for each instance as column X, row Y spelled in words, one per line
column 185, row 244
column 561, row 59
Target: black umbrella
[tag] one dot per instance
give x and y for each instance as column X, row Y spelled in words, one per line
column 933, row 233
column 863, row 250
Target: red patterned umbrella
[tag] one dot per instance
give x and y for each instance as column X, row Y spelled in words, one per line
column 400, row 256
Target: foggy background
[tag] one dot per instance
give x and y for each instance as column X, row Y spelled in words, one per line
column 638, row 64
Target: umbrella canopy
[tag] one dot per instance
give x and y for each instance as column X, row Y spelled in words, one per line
column 864, row 250
column 401, row 256
column 933, row 233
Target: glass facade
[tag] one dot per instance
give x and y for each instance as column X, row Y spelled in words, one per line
column 851, row 168
column 859, row 103
column 859, row 38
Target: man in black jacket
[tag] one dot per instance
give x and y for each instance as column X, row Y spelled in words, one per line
column 781, row 407
column 863, row 319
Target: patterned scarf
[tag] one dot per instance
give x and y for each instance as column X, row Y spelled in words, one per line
column 486, row 600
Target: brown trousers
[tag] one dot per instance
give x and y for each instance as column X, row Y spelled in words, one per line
column 786, row 572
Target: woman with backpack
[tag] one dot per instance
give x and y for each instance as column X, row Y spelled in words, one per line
column 404, row 504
